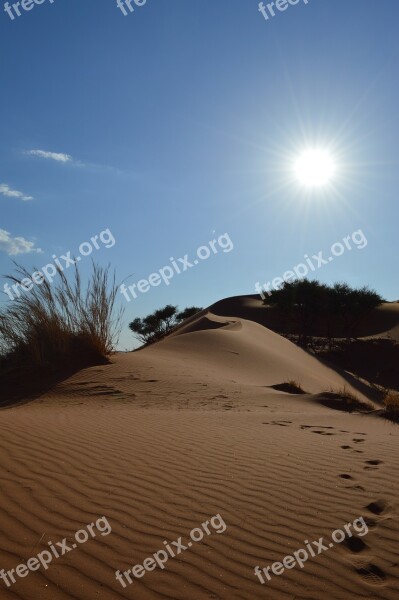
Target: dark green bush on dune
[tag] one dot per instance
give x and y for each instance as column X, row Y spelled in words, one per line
column 338, row 307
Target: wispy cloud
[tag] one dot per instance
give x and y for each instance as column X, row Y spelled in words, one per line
column 16, row 245
column 57, row 156
column 5, row 190
column 74, row 162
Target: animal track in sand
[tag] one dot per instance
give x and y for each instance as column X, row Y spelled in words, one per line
column 105, row 390
column 345, row 476
column 280, row 423
column 318, row 426
column 318, row 429
column 355, row 544
column 370, row 522
column 368, row 570
column 371, row 573
column 377, row 507
column 346, row 447
column 372, row 465
column 358, row 440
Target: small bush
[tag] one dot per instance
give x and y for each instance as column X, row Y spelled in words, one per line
column 161, row 322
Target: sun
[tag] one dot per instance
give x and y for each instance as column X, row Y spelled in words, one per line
column 314, row 167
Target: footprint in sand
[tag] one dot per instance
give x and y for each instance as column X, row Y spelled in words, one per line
column 368, row 571
column 105, row 390
column 316, row 426
column 346, row 447
column 372, row 465
column 320, row 429
column 358, row 440
column 355, row 544
column 359, row 488
column 371, row 573
column 377, row 507
column 370, row 522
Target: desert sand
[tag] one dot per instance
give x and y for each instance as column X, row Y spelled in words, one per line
column 162, row 439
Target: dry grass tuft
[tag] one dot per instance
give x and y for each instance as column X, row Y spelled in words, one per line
column 345, row 400
column 63, row 324
column 391, row 406
column 290, row 387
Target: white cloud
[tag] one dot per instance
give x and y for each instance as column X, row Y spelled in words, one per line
column 17, row 245
column 57, row 156
column 74, row 162
column 67, row 158
column 5, row 190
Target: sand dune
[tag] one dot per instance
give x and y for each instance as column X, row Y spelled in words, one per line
column 162, row 439
column 382, row 322
column 249, row 353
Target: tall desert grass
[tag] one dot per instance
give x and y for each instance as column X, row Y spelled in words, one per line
column 63, row 321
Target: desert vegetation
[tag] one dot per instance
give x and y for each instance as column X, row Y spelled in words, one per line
column 310, row 306
column 289, row 387
column 391, row 405
column 57, row 328
column 345, row 400
column 374, row 359
column 156, row 325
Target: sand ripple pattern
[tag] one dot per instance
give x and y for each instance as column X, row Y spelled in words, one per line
column 156, row 474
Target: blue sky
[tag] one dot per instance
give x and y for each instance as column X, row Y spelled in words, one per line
column 181, row 122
